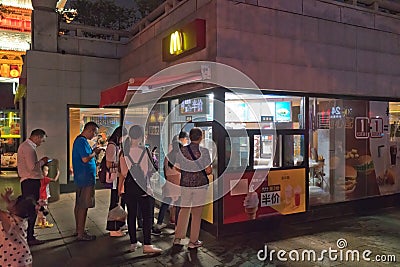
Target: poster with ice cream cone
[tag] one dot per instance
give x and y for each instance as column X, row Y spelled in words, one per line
column 260, row 194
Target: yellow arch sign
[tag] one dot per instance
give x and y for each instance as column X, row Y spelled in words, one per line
column 176, row 43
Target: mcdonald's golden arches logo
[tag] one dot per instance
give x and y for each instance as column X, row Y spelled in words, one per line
column 176, row 43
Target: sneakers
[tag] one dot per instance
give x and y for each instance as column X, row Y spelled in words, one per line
column 117, row 233
column 86, row 237
column 135, row 246
column 160, row 226
column 151, row 249
column 155, row 231
column 34, row 242
column 195, row 244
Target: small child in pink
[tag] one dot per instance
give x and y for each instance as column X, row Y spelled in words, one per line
column 44, row 195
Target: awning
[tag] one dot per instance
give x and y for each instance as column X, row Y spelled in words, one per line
column 121, row 94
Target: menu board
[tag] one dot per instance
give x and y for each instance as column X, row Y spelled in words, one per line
column 196, row 105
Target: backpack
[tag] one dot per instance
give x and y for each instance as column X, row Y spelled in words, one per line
column 104, row 171
column 136, row 180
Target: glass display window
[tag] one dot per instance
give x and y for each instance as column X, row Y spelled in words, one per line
column 10, row 128
column 264, row 150
column 107, row 118
column 237, row 152
column 255, row 110
column 353, row 149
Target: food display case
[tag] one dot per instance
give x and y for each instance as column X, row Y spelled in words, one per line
column 10, row 138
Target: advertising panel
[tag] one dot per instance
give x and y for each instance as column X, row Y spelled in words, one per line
column 365, row 160
column 370, row 155
column 283, row 111
column 279, row 192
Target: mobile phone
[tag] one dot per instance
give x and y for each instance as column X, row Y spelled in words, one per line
column 154, row 149
column 49, row 160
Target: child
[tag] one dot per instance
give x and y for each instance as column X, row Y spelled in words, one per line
column 14, row 249
column 44, row 195
column 171, row 190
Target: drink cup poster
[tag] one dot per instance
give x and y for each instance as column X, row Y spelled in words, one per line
column 291, row 186
column 278, row 192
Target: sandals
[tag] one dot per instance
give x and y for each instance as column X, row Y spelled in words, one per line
column 177, row 242
column 86, row 237
column 195, row 244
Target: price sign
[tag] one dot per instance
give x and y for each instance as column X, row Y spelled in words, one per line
column 361, row 128
column 376, row 128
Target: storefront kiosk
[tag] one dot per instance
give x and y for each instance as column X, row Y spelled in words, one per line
column 277, row 154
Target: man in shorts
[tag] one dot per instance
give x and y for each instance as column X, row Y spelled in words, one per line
column 84, row 166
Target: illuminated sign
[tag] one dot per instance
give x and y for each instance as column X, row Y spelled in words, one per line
column 176, row 43
column 196, row 105
column 185, row 41
column 14, row 71
column 283, row 111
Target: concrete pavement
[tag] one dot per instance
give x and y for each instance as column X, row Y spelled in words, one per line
column 378, row 232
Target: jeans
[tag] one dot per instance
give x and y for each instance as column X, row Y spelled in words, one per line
column 164, row 208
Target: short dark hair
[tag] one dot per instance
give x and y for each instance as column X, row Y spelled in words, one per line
column 195, row 134
column 183, row 134
column 136, row 132
column 91, row 125
column 38, row 132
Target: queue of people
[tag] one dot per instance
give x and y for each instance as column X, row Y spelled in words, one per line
column 186, row 168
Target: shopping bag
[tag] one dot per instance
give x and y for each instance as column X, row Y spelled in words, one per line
column 117, row 214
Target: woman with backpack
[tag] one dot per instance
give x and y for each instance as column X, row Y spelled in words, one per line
column 135, row 164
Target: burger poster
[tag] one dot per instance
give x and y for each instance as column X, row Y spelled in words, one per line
column 261, row 193
column 368, row 167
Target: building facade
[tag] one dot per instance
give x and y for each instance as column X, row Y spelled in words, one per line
column 334, row 65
